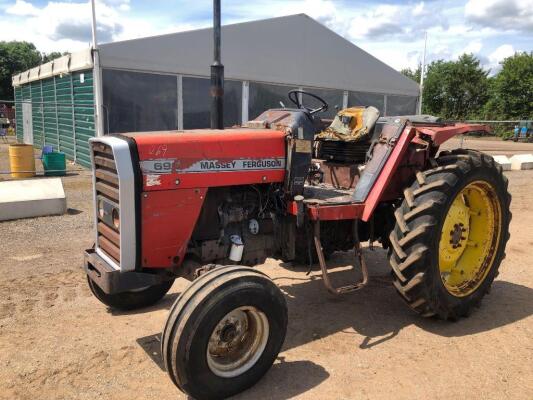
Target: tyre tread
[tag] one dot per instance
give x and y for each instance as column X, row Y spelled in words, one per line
column 184, row 315
column 418, row 215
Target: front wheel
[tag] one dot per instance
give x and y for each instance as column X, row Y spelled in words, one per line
column 224, row 332
column 450, row 234
column 131, row 300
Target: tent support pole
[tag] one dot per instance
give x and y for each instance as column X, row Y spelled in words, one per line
column 97, row 81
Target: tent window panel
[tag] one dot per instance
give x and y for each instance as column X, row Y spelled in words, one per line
column 197, row 103
column 332, row 97
column 367, row 99
column 232, row 103
column 263, row 96
column 401, row 105
column 136, row 102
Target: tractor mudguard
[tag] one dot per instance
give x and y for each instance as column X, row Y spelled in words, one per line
column 387, row 155
column 377, row 156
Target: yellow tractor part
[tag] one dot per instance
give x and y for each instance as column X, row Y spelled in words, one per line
column 469, row 238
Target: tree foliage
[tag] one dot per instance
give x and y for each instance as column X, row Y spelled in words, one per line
column 455, row 89
column 462, row 89
column 414, row 74
column 511, row 90
column 52, row 56
column 17, row 57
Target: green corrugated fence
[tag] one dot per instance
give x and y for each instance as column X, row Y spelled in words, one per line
column 18, row 113
column 83, row 116
column 62, row 113
column 37, row 113
column 49, row 112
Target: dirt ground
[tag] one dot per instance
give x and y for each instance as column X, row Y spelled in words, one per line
column 58, row 342
column 491, row 145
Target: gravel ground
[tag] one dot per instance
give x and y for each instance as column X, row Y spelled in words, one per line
column 491, row 145
column 58, row 342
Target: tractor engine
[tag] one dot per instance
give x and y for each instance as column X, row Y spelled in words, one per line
column 236, row 225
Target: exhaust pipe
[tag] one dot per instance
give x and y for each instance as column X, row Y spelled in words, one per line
column 217, row 74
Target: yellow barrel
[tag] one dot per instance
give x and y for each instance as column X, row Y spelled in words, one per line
column 21, row 161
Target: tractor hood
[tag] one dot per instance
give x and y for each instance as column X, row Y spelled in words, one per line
column 207, row 158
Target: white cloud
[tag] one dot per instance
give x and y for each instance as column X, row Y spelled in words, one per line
column 498, row 55
column 501, row 14
column 391, row 31
column 473, row 47
column 23, row 9
column 389, row 21
column 394, row 33
column 504, row 51
column 419, row 9
column 66, row 26
column 353, row 20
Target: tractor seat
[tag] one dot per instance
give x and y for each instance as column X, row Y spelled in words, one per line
column 347, row 139
column 352, row 124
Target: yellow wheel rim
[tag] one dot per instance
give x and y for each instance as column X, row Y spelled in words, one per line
column 469, row 238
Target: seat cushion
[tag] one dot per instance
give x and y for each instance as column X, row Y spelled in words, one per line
column 351, row 124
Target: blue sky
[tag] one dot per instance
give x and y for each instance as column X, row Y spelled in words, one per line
column 391, row 30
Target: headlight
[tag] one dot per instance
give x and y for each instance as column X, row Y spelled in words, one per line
column 116, row 218
column 101, row 210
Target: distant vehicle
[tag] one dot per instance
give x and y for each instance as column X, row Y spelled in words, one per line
column 523, row 132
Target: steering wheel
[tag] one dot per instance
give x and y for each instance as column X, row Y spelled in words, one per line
column 293, row 96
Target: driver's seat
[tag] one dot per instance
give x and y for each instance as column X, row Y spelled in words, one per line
column 352, row 124
column 348, row 137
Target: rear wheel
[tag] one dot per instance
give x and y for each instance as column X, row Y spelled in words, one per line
column 450, row 234
column 131, row 300
column 224, row 332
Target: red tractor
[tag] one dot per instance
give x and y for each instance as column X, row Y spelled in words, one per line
column 207, row 205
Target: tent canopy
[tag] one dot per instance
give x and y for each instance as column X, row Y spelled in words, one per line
column 295, row 50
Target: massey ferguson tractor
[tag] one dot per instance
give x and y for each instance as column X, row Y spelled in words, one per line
column 207, row 205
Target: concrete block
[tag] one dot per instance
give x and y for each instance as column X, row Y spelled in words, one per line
column 504, row 162
column 522, row 161
column 31, row 198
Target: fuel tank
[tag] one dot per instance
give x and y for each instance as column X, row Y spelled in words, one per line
column 208, row 158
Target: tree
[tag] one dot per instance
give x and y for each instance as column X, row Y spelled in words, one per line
column 512, row 89
column 455, row 89
column 414, row 74
column 52, row 56
column 15, row 57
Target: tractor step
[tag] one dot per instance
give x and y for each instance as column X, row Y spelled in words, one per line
column 322, row 261
column 325, row 194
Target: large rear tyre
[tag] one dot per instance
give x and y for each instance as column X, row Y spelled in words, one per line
column 450, row 234
column 133, row 299
column 224, row 332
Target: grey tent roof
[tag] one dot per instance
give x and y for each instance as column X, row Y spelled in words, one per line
column 294, row 50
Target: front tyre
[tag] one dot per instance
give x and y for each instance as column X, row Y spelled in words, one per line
column 131, row 300
column 450, row 234
column 224, row 332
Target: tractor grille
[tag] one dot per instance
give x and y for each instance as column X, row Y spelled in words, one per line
column 107, row 200
column 344, row 152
